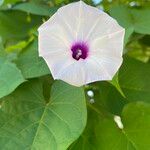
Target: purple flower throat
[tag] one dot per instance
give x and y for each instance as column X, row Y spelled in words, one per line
column 79, row 50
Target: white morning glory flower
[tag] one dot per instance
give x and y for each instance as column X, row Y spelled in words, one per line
column 81, row 44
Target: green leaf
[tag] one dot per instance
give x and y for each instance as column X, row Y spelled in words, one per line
column 36, row 8
column 136, row 120
column 134, row 79
column 137, row 20
column 34, row 123
column 10, row 77
column 30, row 63
column 15, row 25
column 109, row 98
column 115, row 83
column 103, row 133
column 128, row 33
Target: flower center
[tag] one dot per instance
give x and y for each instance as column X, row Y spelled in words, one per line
column 79, row 50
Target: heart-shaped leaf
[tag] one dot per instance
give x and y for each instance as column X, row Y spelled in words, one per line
column 28, row 121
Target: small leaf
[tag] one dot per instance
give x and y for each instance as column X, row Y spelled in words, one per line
column 137, row 20
column 30, row 63
column 115, row 83
column 10, row 77
column 32, row 123
column 128, row 33
column 36, row 8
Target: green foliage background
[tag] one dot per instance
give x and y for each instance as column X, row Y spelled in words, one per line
column 39, row 113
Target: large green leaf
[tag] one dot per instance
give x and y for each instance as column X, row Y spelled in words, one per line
column 103, row 133
column 10, row 77
column 30, row 63
column 29, row 121
column 36, row 8
column 137, row 20
column 16, row 24
column 134, row 79
column 136, row 120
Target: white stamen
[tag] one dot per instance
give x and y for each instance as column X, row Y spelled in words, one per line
column 118, row 121
column 79, row 53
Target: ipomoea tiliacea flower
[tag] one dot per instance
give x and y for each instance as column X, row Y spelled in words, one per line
column 81, row 44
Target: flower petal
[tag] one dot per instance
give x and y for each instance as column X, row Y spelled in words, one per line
column 57, row 61
column 83, row 72
column 103, row 26
column 111, row 45
column 79, row 18
column 109, row 64
column 52, row 39
column 108, row 51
